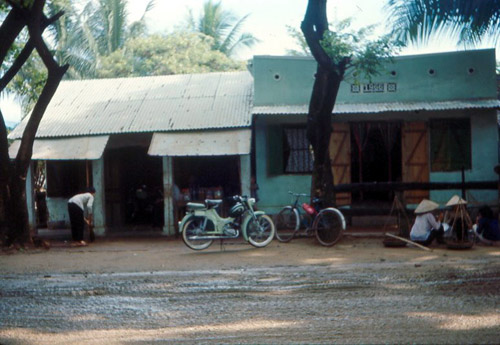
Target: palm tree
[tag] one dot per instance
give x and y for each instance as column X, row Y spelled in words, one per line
column 471, row 20
column 105, row 22
column 223, row 26
column 81, row 39
column 69, row 40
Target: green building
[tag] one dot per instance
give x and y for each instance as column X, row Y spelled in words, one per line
column 425, row 118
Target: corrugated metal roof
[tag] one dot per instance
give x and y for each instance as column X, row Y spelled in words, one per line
column 89, row 147
column 205, row 143
column 147, row 104
column 363, row 108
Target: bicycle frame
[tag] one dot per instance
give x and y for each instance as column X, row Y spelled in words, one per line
column 302, row 212
column 327, row 223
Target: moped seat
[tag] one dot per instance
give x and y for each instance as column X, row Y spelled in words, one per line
column 195, row 206
column 213, row 203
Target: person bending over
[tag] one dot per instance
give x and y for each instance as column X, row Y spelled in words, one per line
column 77, row 206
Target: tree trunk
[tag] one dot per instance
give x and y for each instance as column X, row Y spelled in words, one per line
column 13, row 174
column 18, row 222
column 323, row 97
column 319, row 128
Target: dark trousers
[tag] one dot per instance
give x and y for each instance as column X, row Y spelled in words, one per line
column 77, row 221
column 435, row 234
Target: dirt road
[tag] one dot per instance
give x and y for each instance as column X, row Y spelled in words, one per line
column 158, row 291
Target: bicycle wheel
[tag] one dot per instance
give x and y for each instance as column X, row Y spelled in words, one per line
column 287, row 223
column 260, row 231
column 192, row 235
column 328, row 226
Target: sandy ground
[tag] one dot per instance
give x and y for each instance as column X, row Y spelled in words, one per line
column 142, row 291
column 154, row 254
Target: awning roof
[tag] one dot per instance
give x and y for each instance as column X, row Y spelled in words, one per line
column 365, row 108
column 65, row 148
column 201, row 143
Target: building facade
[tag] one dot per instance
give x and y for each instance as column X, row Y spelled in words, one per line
column 149, row 145
column 424, row 118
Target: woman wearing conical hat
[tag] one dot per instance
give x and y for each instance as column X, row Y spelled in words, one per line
column 426, row 227
column 459, row 219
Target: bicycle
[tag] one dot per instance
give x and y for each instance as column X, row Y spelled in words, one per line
column 327, row 224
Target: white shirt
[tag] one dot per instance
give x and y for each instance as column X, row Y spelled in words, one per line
column 424, row 223
column 82, row 200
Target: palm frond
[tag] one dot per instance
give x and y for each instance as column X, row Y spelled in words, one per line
column 470, row 21
column 223, row 26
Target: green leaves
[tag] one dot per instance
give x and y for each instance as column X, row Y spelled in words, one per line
column 177, row 53
column 365, row 55
column 470, row 21
column 223, row 26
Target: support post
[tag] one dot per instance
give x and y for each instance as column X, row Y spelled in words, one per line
column 99, row 198
column 168, row 197
column 463, row 185
column 245, row 174
column 30, row 200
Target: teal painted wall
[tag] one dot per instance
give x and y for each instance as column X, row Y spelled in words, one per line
column 457, row 75
column 58, row 211
column 273, row 189
column 484, row 137
column 452, row 81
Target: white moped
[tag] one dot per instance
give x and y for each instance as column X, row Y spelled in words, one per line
column 202, row 224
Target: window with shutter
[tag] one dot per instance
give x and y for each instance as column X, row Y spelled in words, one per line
column 450, row 144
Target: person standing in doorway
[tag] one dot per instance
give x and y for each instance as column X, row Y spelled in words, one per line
column 78, row 205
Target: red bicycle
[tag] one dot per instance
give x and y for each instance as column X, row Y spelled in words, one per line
column 327, row 224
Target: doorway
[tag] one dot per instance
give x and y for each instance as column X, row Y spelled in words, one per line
column 133, row 189
column 207, row 177
column 375, row 157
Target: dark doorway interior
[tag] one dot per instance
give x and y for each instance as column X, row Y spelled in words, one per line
column 214, row 177
column 134, row 188
column 375, row 157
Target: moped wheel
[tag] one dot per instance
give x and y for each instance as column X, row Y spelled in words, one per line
column 329, row 226
column 260, row 231
column 287, row 223
column 191, row 232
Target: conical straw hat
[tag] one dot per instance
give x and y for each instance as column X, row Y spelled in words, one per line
column 426, row 206
column 456, row 200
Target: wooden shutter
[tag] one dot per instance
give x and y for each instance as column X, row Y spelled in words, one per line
column 340, row 157
column 274, row 150
column 415, row 153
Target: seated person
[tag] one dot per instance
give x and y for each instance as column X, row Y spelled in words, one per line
column 486, row 227
column 458, row 219
column 426, row 227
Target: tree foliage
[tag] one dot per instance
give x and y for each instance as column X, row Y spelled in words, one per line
column 15, row 50
column 223, row 26
column 300, row 41
column 176, row 53
column 364, row 56
column 339, row 53
column 472, row 21
column 96, row 42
